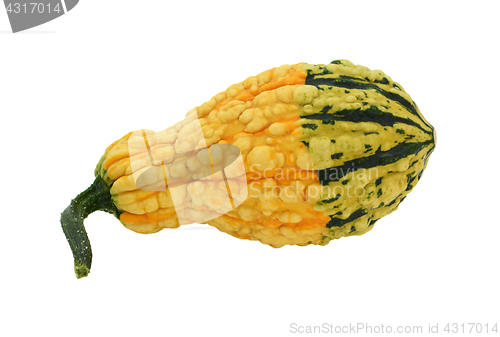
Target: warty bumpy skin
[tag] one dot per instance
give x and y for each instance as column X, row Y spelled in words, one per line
column 328, row 150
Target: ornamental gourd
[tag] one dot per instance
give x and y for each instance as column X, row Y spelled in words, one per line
column 326, row 151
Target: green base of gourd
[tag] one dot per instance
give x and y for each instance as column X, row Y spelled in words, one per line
column 96, row 198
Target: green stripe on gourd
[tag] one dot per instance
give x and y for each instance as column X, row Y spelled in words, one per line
column 326, row 77
column 363, row 132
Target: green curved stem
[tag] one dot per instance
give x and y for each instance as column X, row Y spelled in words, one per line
column 96, row 198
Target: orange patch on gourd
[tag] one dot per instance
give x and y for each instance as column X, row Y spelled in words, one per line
column 151, row 217
column 294, row 77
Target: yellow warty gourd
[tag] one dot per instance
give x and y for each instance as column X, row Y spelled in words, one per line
column 297, row 155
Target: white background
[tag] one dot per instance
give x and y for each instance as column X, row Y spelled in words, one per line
column 72, row 86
